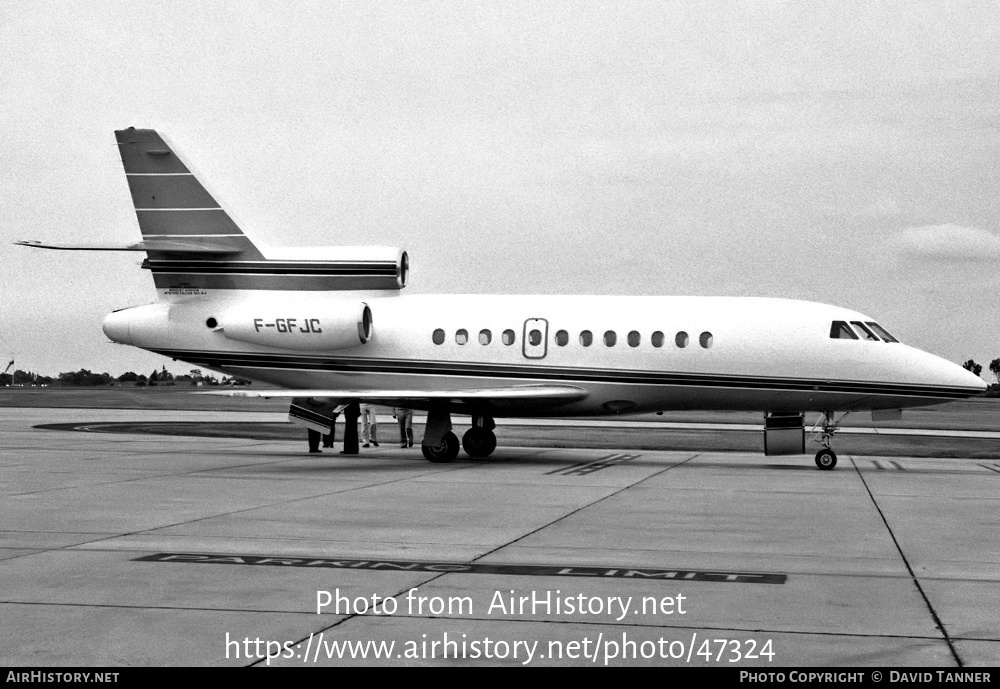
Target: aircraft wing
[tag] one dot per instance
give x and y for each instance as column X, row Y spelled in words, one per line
column 513, row 397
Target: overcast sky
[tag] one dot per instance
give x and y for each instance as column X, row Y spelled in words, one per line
column 840, row 152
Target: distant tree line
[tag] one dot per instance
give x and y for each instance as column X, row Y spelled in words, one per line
column 86, row 378
column 20, row 377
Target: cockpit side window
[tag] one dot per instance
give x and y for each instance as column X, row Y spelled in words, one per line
column 840, row 330
column 882, row 332
column 865, row 331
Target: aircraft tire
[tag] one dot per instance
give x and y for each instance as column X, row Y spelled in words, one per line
column 826, row 459
column 447, row 451
column 478, row 442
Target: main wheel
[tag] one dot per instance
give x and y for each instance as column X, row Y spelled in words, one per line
column 447, row 451
column 826, row 459
column 479, row 442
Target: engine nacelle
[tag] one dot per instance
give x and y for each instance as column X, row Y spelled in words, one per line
column 333, row 324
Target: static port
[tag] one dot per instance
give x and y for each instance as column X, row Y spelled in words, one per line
column 211, row 322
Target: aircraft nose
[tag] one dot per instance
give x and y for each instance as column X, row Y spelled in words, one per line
column 950, row 379
column 959, row 377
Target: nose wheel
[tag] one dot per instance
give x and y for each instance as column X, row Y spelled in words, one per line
column 826, row 458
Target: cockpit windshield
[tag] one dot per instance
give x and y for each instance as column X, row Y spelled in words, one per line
column 883, row 333
column 865, row 331
column 869, row 330
column 840, row 330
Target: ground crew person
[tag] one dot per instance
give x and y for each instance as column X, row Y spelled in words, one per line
column 404, row 417
column 351, row 414
column 320, row 407
column 368, row 425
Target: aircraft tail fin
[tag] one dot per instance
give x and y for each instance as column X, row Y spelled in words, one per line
column 171, row 204
column 193, row 246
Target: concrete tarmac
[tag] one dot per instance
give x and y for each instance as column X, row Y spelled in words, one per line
column 125, row 549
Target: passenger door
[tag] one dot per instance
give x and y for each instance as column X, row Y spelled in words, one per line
column 536, row 338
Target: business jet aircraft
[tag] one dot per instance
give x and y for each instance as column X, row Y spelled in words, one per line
column 332, row 323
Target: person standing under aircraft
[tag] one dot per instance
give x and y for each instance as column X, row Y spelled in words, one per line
column 351, row 414
column 404, row 417
column 368, row 425
column 318, row 406
column 314, row 437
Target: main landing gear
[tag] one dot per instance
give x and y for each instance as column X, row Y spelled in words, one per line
column 826, row 458
column 445, row 451
column 480, row 440
column 440, row 445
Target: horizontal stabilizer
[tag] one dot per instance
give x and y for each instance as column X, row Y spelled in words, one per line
column 174, row 246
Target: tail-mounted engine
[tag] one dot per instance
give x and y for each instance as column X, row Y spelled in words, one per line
column 332, row 324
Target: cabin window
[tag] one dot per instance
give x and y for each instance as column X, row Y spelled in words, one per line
column 462, row 336
column 840, row 330
column 507, row 337
column 586, row 338
column 882, row 332
column 485, row 337
column 865, row 331
column 705, row 339
column 657, row 339
column 610, row 338
column 634, row 338
column 682, row 339
column 562, row 338
column 535, row 338
column 438, row 336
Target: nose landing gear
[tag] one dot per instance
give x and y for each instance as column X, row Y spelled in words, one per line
column 826, row 458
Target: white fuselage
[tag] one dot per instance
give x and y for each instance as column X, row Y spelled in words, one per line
column 740, row 353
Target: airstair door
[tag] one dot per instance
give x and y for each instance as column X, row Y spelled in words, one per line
column 536, row 338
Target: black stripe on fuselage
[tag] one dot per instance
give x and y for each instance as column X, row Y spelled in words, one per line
column 301, row 283
column 304, row 268
column 554, row 373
